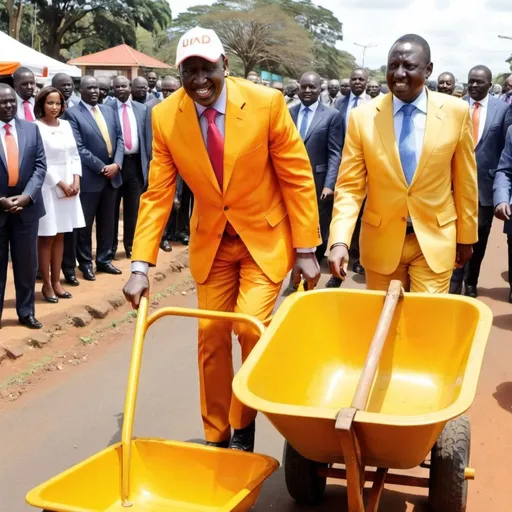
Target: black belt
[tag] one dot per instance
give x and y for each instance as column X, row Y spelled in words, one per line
column 132, row 155
column 409, row 230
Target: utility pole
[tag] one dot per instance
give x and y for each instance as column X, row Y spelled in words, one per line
column 505, row 37
column 364, row 47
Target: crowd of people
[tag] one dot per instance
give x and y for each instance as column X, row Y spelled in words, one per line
column 85, row 153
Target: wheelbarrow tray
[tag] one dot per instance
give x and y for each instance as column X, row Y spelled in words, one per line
column 307, row 364
column 166, row 476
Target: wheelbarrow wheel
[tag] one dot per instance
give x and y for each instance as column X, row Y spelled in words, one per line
column 450, row 458
column 303, row 482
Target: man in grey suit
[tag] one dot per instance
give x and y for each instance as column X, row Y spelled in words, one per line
column 320, row 129
column 491, row 119
column 22, row 173
column 100, row 144
column 132, row 118
column 503, row 199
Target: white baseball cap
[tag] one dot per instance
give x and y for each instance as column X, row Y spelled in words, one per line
column 199, row 42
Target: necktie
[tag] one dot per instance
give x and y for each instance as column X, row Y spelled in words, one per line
column 356, row 102
column 127, row 129
column 215, row 148
column 103, row 129
column 12, row 157
column 27, row 111
column 407, row 144
column 476, row 122
column 304, row 124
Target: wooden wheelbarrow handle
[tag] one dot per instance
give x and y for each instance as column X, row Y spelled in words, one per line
column 393, row 295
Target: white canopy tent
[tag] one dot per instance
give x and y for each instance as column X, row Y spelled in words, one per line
column 14, row 52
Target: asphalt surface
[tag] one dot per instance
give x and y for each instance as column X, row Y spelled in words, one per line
column 65, row 422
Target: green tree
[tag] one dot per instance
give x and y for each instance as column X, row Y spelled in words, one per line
column 100, row 23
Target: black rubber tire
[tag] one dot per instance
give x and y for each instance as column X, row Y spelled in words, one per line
column 303, row 482
column 450, row 457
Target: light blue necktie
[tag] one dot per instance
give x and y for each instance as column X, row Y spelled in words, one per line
column 304, row 124
column 407, row 144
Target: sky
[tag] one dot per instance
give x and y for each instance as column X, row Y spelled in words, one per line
column 461, row 33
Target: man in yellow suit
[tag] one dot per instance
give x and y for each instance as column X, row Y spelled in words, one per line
column 411, row 153
column 255, row 213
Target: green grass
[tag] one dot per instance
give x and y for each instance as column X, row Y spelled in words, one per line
column 21, row 377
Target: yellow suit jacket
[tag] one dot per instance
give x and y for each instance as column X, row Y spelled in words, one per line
column 269, row 193
column 442, row 200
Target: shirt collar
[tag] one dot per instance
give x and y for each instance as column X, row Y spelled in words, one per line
column 21, row 100
column 483, row 103
column 420, row 103
column 219, row 105
column 128, row 103
column 312, row 108
column 89, row 107
column 12, row 122
column 353, row 96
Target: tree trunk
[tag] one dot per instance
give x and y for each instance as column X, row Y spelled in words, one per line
column 17, row 23
column 52, row 46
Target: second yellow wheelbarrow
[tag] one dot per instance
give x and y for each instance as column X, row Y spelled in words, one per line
column 154, row 475
column 368, row 379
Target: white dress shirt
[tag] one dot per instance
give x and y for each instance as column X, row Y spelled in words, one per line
column 21, row 107
column 313, row 108
column 133, row 126
column 484, row 107
column 12, row 130
column 419, row 119
column 97, row 107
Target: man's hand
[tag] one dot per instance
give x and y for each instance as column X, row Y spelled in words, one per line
column 6, row 204
column 464, row 253
column 307, row 267
column 19, row 202
column 503, row 211
column 326, row 194
column 338, row 261
column 135, row 288
column 110, row 171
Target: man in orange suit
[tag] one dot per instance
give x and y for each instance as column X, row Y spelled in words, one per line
column 411, row 154
column 255, row 213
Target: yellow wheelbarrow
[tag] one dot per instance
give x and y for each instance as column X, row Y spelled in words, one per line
column 153, row 475
column 349, row 381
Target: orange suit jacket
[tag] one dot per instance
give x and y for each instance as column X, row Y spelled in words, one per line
column 442, row 199
column 269, row 193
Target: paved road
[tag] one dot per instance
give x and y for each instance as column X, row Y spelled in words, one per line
column 63, row 424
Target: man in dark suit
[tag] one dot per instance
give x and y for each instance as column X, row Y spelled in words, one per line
column 132, row 118
column 320, row 129
column 22, row 173
column 169, row 86
column 140, row 90
column 491, row 119
column 100, row 144
column 345, row 104
column 503, row 199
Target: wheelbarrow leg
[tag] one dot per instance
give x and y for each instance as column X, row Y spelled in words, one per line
column 377, row 488
column 353, row 462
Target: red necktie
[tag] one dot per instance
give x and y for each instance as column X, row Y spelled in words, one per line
column 28, row 111
column 215, row 147
column 12, row 157
column 127, row 130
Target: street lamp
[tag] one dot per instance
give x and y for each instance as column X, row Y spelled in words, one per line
column 364, row 47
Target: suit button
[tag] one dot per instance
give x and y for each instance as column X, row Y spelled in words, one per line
column 226, row 208
column 404, row 219
column 409, row 193
column 219, row 236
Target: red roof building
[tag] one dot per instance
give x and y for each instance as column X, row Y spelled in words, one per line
column 120, row 60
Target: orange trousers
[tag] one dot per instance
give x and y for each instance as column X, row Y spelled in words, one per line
column 235, row 283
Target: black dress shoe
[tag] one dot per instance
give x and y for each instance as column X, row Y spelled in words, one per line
column 166, row 246
column 88, row 274
column 31, row 322
column 222, row 444
column 65, row 295
column 358, row 268
column 510, row 297
column 51, row 300
column 108, row 268
column 334, row 282
column 128, row 253
column 183, row 238
column 243, row 440
column 471, row 291
column 72, row 280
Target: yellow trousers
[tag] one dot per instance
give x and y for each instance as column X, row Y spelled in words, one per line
column 235, row 283
column 413, row 271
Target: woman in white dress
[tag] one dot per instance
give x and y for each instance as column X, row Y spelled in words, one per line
column 60, row 192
